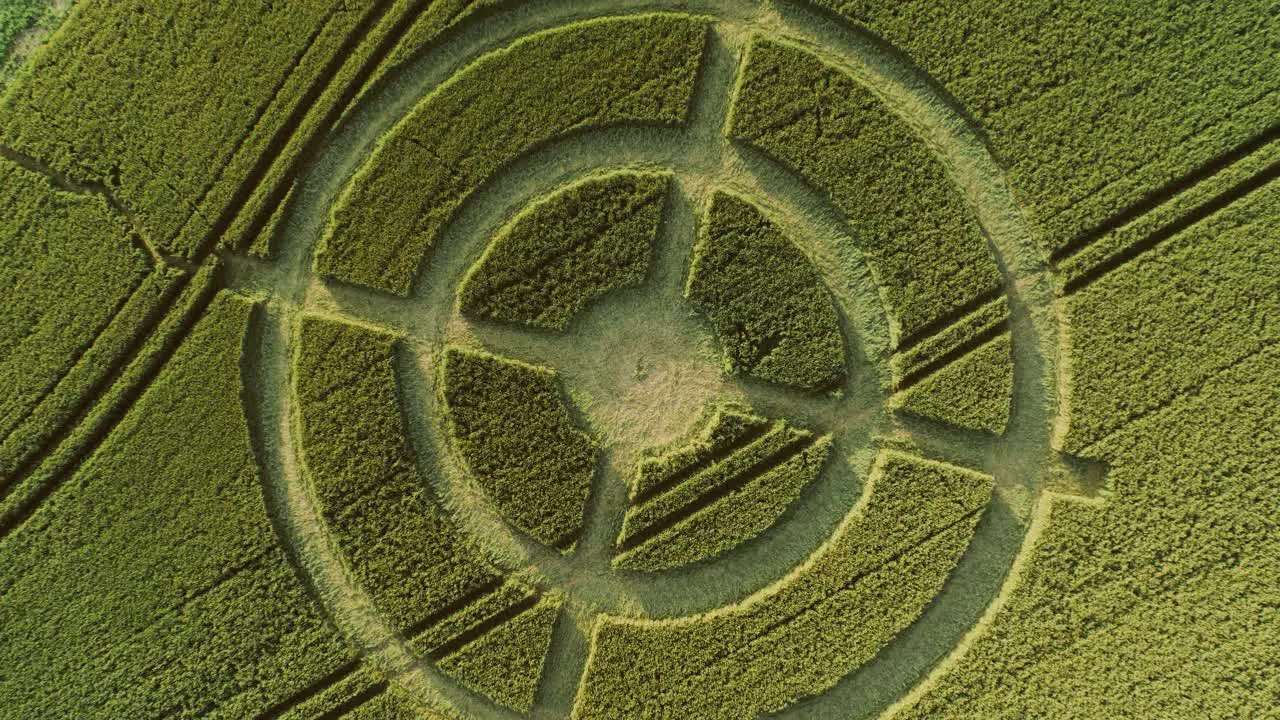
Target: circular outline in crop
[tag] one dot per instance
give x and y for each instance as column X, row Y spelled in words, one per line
column 904, row 88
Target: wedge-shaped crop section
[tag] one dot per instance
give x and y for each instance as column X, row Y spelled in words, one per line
column 398, row 539
column 510, row 424
column 925, row 247
column 911, row 365
column 403, row 548
column 765, row 299
column 871, row 579
column 637, row 69
column 497, row 647
column 974, row 392
column 728, row 486
column 568, row 250
column 963, row 375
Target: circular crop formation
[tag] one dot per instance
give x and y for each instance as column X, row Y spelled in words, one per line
column 661, row 364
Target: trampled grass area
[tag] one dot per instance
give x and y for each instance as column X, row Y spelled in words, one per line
column 639, row 358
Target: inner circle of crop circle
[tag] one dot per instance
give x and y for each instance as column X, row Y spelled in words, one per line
column 705, row 585
column 908, row 92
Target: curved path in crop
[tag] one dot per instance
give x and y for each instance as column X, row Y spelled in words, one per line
column 703, row 160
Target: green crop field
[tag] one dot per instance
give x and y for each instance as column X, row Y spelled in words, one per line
column 611, row 359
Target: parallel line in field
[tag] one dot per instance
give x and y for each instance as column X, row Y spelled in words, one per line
column 277, row 194
column 35, row 458
column 153, row 364
column 14, row 519
column 482, row 628
column 459, row 604
column 719, row 492
column 251, row 562
column 1165, row 193
column 942, row 322
column 1221, row 201
column 970, row 344
column 342, row 672
column 368, row 695
column 285, row 132
column 6, row 479
column 258, row 114
column 724, row 452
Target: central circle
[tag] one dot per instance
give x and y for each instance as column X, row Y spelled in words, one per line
column 638, row 365
column 642, row 378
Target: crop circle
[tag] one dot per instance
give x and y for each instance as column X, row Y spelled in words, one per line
column 710, row 155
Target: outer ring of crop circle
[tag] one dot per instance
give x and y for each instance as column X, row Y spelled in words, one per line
column 971, row 166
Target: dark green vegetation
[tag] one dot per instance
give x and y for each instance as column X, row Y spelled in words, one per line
column 567, row 250
column 16, row 18
column 592, row 74
column 1096, row 107
column 502, row 658
column 163, row 563
column 922, row 241
column 401, row 544
column 362, row 694
column 511, row 425
column 23, row 24
column 869, row 581
column 973, row 391
column 87, row 260
column 765, row 300
column 728, row 486
column 962, row 376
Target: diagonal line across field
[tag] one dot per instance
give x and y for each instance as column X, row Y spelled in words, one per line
column 703, row 463
column 90, row 402
column 715, row 494
column 1204, row 173
column 969, row 345
column 1219, row 202
column 1215, row 186
column 75, row 442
